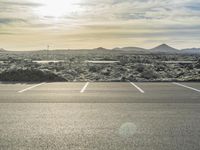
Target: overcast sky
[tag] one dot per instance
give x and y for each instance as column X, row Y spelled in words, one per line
column 34, row 24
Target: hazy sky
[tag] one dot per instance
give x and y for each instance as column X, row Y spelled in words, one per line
column 33, row 24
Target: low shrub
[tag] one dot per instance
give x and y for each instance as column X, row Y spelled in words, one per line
column 29, row 75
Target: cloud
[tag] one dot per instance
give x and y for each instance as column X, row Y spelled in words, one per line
column 195, row 6
column 127, row 34
column 140, row 9
column 13, row 3
column 6, row 33
column 6, row 21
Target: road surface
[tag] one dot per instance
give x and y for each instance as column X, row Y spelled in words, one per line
column 143, row 116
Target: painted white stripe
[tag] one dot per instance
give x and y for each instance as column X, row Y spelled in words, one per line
column 84, row 88
column 137, row 87
column 191, row 88
column 29, row 88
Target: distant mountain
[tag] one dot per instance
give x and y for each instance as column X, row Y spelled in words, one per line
column 191, row 51
column 100, row 49
column 2, row 50
column 137, row 49
column 164, row 48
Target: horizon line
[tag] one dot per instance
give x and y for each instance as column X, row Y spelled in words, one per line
column 102, row 48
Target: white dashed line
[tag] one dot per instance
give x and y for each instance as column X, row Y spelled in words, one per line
column 84, row 88
column 137, row 87
column 191, row 88
column 29, row 88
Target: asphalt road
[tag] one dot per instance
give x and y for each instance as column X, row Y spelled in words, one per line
column 120, row 116
column 99, row 93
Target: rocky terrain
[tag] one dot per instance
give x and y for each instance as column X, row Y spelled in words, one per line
column 100, row 65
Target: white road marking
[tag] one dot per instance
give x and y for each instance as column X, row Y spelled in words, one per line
column 84, row 88
column 29, row 88
column 191, row 88
column 137, row 87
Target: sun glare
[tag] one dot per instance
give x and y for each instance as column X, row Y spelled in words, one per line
column 57, row 8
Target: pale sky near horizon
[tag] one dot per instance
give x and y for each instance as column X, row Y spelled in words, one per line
column 71, row 24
